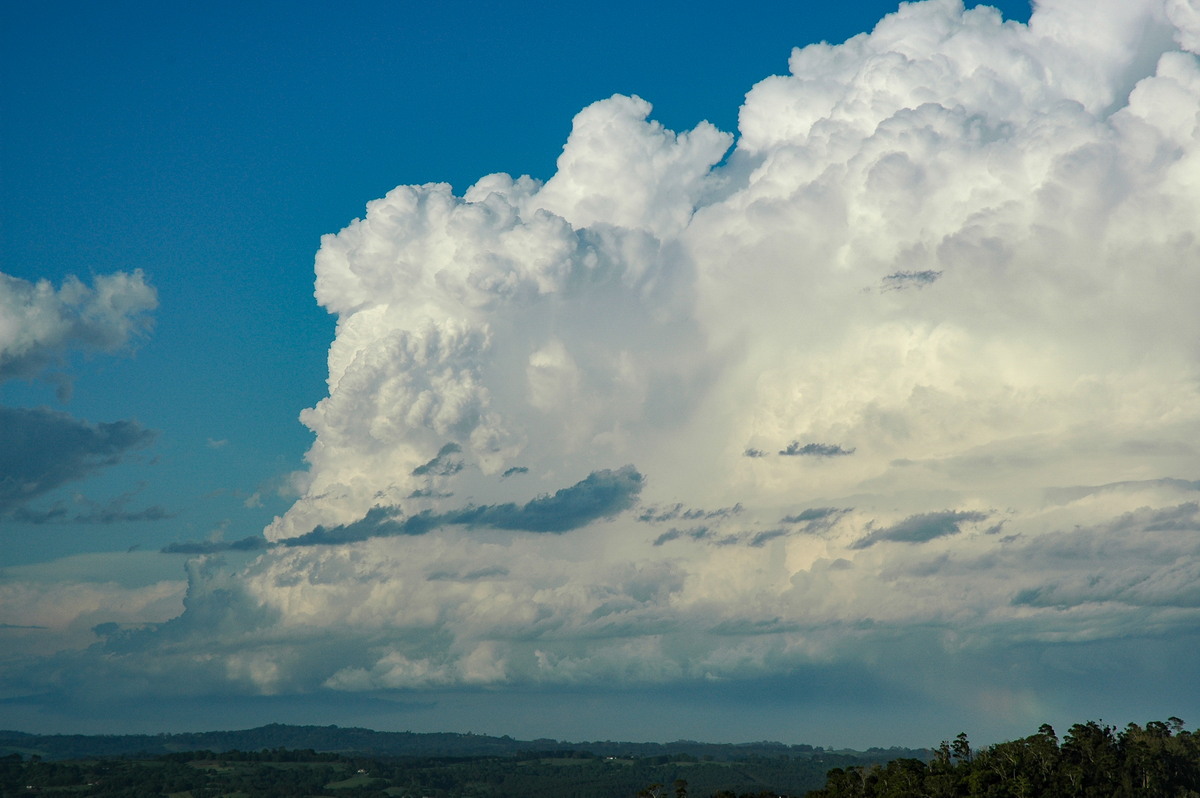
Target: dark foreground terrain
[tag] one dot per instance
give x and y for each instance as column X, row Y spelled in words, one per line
column 1160, row 759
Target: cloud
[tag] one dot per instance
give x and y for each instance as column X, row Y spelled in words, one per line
column 41, row 449
column 812, row 514
column 445, row 464
column 794, row 449
column 922, row 528
column 111, row 512
column 657, row 515
column 45, row 448
column 602, row 494
column 249, row 543
column 898, row 281
column 762, row 538
column 674, row 533
column 665, row 301
column 61, row 601
column 40, row 324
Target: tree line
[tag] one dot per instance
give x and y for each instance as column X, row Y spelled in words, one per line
column 1093, row 760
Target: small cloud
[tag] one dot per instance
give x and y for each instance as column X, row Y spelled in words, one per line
column 429, row 493
column 922, row 528
column 752, row 452
column 445, row 464
column 215, row 444
column 761, row 538
column 794, row 449
column 655, row 515
column 695, row 533
column 811, row 514
column 112, row 515
column 251, row 543
column 43, row 324
column 253, row 500
column 602, row 494
column 898, row 281
column 514, row 471
column 45, row 448
column 816, row 519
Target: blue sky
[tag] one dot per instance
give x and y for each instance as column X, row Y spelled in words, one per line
column 718, row 434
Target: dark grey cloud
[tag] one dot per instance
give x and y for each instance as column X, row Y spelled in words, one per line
column 714, row 537
column 922, row 528
column 898, row 281
column 816, row 519
column 429, row 493
column 762, row 538
column 445, row 464
column 813, row 514
column 695, row 533
column 602, row 494
column 752, row 452
column 90, row 512
column 514, row 471
column 657, row 515
column 41, row 449
column 794, row 449
column 251, row 543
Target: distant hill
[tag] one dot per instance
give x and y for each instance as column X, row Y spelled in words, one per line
column 411, row 744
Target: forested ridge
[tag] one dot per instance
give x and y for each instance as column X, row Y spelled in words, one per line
column 376, row 743
column 1092, row 760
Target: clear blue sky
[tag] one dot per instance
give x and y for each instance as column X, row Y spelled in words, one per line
column 880, row 333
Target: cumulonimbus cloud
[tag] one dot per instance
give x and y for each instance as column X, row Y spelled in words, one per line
column 671, row 303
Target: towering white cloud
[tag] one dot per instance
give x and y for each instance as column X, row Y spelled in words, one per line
column 915, row 359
